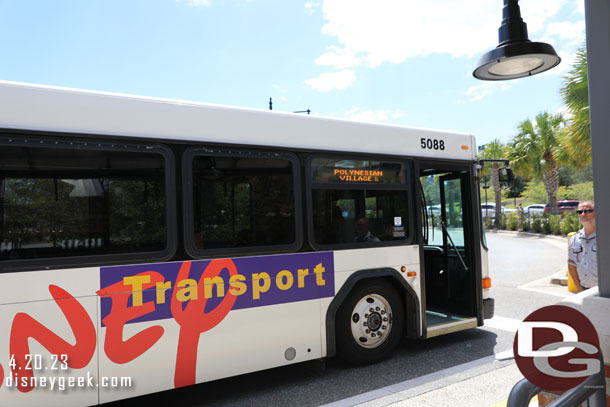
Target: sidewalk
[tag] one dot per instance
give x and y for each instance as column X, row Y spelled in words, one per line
column 485, row 382
column 555, row 284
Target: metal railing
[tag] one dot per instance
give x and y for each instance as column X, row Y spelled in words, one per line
column 592, row 390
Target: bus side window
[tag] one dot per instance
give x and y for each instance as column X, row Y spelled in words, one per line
column 386, row 223
column 242, row 201
column 68, row 202
column 358, row 201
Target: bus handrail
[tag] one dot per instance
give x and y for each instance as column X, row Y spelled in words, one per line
column 592, row 389
column 454, row 246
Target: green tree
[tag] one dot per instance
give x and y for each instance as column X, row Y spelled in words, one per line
column 535, row 149
column 516, row 191
column 495, row 149
column 582, row 191
column 575, row 92
column 535, row 192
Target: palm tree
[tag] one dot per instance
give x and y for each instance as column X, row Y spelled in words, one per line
column 535, row 149
column 495, row 149
column 575, row 93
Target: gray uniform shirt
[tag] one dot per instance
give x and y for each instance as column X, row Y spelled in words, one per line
column 583, row 255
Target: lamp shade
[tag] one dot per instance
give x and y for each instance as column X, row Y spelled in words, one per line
column 516, row 56
column 516, row 60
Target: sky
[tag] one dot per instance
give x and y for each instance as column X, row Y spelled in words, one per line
column 402, row 62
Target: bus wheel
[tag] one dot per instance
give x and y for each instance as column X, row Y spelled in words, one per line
column 369, row 323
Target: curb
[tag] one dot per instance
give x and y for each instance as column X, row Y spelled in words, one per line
column 561, row 277
column 560, row 281
column 529, row 234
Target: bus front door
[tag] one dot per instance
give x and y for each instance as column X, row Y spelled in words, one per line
column 450, row 276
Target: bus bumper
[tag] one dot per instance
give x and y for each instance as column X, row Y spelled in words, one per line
column 488, row 308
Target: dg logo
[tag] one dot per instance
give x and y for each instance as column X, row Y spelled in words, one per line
column 556, row 348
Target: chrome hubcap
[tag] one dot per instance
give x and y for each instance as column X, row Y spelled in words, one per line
column 371, row 321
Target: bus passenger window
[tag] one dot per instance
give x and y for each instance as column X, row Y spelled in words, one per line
column 242, row 202
column 358, row 201
column 66, row 202
column 359, row 216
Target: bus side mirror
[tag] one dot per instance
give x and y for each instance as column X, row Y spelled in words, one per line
column 506, row 176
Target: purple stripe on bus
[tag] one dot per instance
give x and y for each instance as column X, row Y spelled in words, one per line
column 314, row 285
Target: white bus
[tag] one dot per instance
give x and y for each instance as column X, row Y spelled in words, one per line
column 149, row 244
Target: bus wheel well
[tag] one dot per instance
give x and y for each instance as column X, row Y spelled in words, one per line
column 389, row 276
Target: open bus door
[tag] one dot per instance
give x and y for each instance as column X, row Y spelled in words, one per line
column 448, row 233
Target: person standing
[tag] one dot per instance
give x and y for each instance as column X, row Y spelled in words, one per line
column 582, row 255
column 520, row 208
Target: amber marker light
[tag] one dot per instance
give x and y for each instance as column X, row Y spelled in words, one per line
column 487, row 282
column 464, row 147
column 411, row 274
column 403, row 269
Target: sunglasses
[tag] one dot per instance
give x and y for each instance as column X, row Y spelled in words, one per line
column 581, row 211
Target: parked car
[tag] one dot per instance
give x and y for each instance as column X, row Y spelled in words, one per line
column 489, row 210
column 434, row 210
column 563, row 206
column 534, row 209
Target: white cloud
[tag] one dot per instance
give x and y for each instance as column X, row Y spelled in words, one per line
column 567, row 37
column 479, row 92
column 567, row 30
column 579, row 7
column 332, row 80
column 565, row 112
column 394, row 30
column 279, row 88
column 567, row 60
column 283, row 98
column 536, row 13
column 372, row 116
column 338, row 58
column 198, row 3
column 311, row 6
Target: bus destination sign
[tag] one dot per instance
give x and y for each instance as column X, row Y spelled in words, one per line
column 352, row 175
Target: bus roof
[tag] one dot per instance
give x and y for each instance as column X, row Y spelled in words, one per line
column 54, row 109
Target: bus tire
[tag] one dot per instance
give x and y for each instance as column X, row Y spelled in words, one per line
column 369, row 323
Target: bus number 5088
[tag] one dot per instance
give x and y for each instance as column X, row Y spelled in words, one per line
column 432, row 144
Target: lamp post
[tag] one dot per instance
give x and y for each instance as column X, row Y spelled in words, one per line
column 493, row 66
column 298, row 111
column 515, row 56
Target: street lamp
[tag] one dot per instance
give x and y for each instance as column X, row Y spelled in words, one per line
column 515, row 56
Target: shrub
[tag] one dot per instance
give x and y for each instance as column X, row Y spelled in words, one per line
column 524, row 223
column 537, row 224
column 502, row 223
column 569, row 223
column 488, row 223
column 546, row 225
column 454, row 218
column 512, row 221
column 555, row 224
